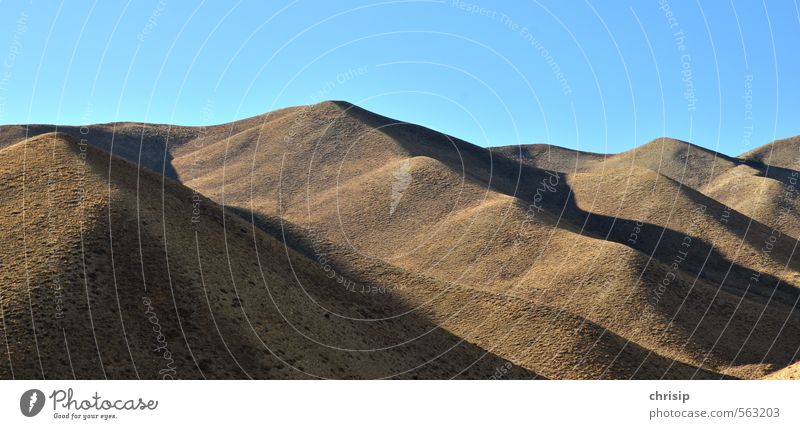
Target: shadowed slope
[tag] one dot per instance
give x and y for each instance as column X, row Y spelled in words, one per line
column 152, row 146
column 550, row 157
column 783, row 153
column 770, row 200
column 120, row 284
column 585, row 262
column 396, row 192
column 553, row 342
column 684, row 162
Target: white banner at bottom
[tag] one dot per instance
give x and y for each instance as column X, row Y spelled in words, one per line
column 399, row 404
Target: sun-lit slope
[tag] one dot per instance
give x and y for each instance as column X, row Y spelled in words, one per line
column 355, row 176
column 314, row 150
column 683, row 162
column 370, row 217
column 791, row 372
column 770, row 200
column 722, row 243
column 488, row 242
column 550, row 157
column 149, row 145
column 280, row 160
column 615, row 287
column 551, row 341
column 481, row 242
column 341, row 167
column 419, row 210
column 783, row 153
column 97, row 270
column 227, row 345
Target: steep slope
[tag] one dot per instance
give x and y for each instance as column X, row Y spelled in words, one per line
column 218, row 298
column 105, row 281
column 555, row 342
column 434, row 205
column 712, row 313
column 618, row 267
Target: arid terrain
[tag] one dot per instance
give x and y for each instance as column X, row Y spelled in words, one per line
column 326, row 241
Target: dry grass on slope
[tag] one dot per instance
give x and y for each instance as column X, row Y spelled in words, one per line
column 313, row 151
column 564, row 279
column 309, row 149
column 550, row 157
column 791, row 372
column 772, row 200
column 153, row 146
column 723, row 244
column 783, row 153
column 492, row 245
column 461, row 229
column 552, row 341
column 104, row 269
column 683, row 162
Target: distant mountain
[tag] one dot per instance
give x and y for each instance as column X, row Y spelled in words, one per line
column 783, row 153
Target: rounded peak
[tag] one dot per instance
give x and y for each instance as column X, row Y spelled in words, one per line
column 669, row 144
column 779, row 153
column 666, row 141
column 341, row 104
column 543, row 148
column 788, row 140
column 53, row 136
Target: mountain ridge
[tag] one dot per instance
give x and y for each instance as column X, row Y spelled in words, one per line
column 756, row 154
column 653, row 256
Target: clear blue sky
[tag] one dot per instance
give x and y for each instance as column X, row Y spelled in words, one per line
column 598, row 76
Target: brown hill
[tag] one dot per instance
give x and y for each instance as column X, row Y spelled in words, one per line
column 115, row 280
column 770, row 200
column 783, row 153
column 549, row 157
column 112, row 265
column 683, row 162
column 647, row 264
